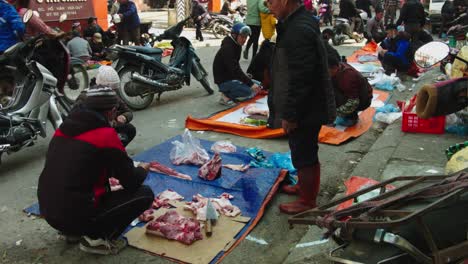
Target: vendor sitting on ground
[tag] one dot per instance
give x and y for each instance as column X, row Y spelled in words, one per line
column 108, row 77
column 79, row 47
column 260, row 66
column 352, row 92
column 375, row 27
column 74, row 192
column 395, row 50
column 97, row 47
column 233, row 83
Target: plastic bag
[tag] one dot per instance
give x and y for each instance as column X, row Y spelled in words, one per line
column 283, row 161
column 388, row 108
column 189, row 151
column 386, row 82
column 223, row 147
column 387, row 118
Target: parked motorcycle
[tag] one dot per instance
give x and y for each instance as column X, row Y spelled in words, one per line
column 221, row 25
column 143, row 74
column 344, row 31
column 36, row 99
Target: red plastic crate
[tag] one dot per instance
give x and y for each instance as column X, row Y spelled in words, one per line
column 412, row 123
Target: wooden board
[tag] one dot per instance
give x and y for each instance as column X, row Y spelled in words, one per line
column 202, row 251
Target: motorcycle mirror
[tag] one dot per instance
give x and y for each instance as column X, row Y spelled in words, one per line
column 27, row 16
column 63, row 17
column 431, row 53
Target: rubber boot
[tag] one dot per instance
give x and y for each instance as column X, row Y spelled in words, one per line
column 291, row 189
column 309, row 177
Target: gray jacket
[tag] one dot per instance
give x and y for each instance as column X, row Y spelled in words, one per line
column 79, row 47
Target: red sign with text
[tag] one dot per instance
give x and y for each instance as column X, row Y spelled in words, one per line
column 50, row 10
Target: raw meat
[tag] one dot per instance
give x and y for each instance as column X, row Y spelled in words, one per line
column 227, row 196
column 241, row 167
column 212, row 169
column 251, row 109
column 222, row 206
column 163, row 199
column 173, row 226
column 159, row 168
column 115, row 184
column 146, row 216
column 223, row 147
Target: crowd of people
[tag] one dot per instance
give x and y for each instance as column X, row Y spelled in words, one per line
column 308, row 83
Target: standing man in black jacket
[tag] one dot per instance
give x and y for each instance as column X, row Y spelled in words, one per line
column 198, row 15
column 233, row 83
column 413, row 17
column 74, row 193
column 301, row 96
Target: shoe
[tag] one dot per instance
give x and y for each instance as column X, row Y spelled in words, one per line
column 346, row 122
column 309, row 177
column 225, row 102
column 102, row 247
column 246, row 54
column 291, row 189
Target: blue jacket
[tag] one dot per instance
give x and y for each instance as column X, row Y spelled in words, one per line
column 399, row 48
column 11, row 25
column 130, row 16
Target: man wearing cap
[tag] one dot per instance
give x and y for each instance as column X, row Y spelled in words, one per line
column 301, row 97
column 108, row 77
column 97, row 47
column 74, row 192
column 79, row 47
column 92, row 28
column 233, row 83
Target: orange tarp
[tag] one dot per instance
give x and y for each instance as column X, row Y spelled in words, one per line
column 328, row 135
column 369, row 49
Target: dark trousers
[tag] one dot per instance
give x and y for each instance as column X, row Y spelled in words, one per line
column 198, row 34
column 253, row 40
column 327, row 18
column 127, row 35
column 117, row 210
column 126, row 133
column 391, row 63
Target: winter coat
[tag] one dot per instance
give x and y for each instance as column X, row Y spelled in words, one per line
column 253, row 13
column 347, row 9
column 122, row 108
column 83, row 154
column 398, row 47
column 412, row 12
column 130, row 20
column 460, row 68
column 91, row 30
column 226, row 65
column 267, row 20
column 197, row 10
column 301, row 89
column 11, row 26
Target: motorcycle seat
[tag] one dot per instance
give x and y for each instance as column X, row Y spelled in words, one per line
column 146, row 50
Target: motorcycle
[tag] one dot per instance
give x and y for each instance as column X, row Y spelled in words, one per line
column 36, row 99
column 143, row 74
column 221, row 25
column 343, row 30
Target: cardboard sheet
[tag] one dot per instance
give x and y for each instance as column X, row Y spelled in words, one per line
column 200, row 252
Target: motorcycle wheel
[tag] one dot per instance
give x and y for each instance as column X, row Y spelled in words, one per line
column 77, row 81
column 64, row 106
column 206, row 84
column 134, row 102
column 218, row 31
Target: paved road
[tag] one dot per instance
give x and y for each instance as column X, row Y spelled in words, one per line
column 30, row 240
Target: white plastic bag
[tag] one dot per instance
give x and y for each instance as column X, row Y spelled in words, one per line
column 223, row 147
column 189, row 151
column 387, row 118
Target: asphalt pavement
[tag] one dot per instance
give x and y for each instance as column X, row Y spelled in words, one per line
column 382, row 152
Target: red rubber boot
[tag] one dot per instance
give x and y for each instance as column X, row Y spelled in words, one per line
column 291, row 189
column 309, row 177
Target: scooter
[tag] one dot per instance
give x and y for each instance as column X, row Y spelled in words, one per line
column 35, row 99
column 221, row 25
column 143, row 74
column 343, row 30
